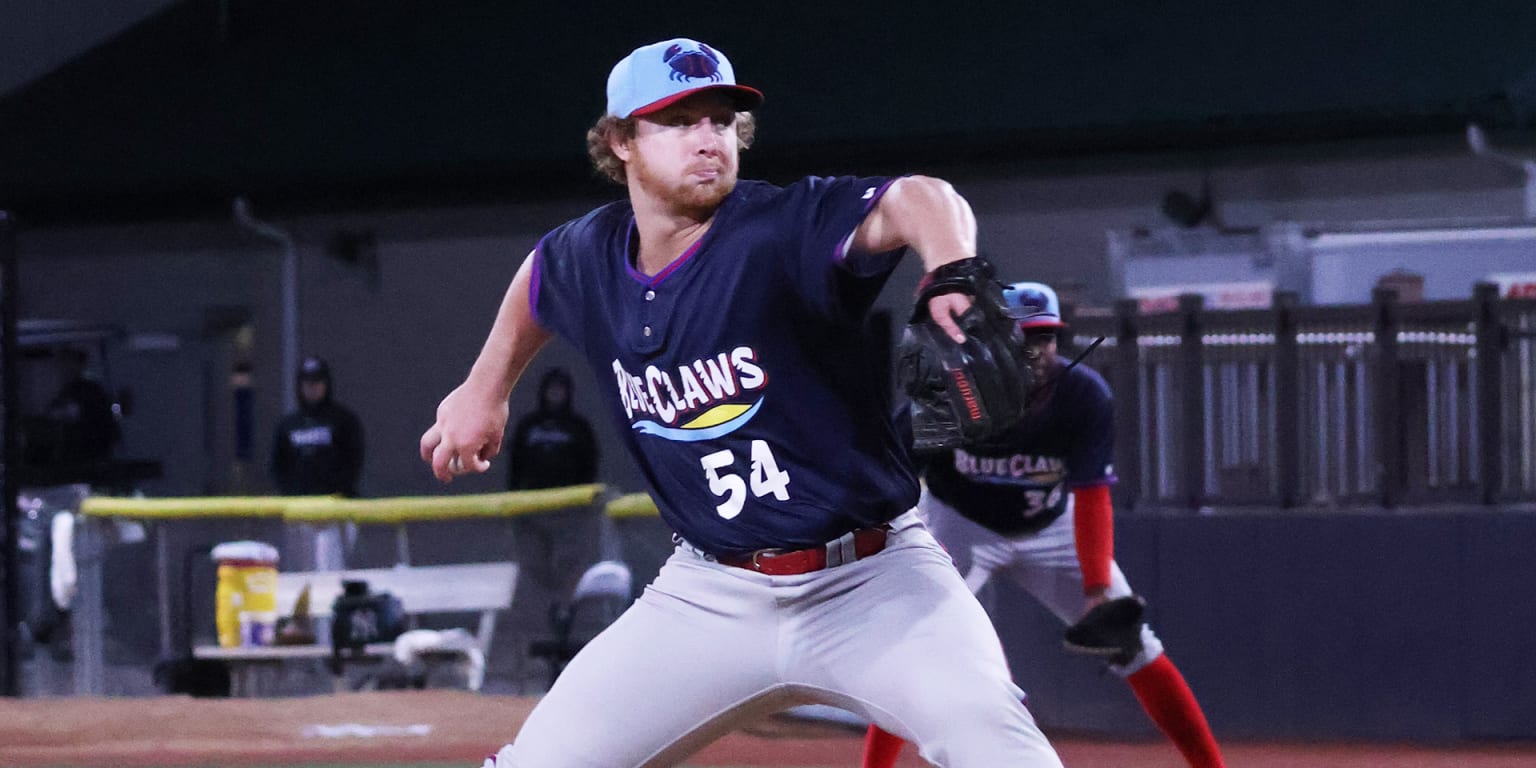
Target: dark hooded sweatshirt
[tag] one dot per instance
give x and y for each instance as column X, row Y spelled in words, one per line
column 318, row 449
column 553, row 446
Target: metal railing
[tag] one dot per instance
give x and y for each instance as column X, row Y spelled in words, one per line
column 1385, row 404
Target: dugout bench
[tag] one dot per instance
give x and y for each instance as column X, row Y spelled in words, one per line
column 99, row 513
column 480, row 588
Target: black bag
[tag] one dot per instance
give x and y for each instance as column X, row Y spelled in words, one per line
column 359, row 617
column 181, row 672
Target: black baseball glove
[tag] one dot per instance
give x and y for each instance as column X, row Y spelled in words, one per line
column 1111, row 630
column 964, row 394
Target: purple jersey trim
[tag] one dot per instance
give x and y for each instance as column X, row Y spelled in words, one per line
column 1107, row 480
column 653, row 280
column 842, row 253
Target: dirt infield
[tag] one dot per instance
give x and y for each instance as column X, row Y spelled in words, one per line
column 448, row 726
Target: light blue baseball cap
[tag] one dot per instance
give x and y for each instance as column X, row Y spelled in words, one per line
column 654, row 76
column 1034, row 305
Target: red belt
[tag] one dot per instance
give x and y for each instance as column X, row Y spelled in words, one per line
column 844, row 549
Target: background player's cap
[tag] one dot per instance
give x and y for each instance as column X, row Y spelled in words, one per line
column 314, row 369
column 654, row 76
column 1034, row 304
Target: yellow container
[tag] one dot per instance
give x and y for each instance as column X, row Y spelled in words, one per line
column 247, row 585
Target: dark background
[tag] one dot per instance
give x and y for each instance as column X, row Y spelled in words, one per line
column 358, row 103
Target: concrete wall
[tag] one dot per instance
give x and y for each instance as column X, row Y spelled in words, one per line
column 402, row 329
column 1296, row 625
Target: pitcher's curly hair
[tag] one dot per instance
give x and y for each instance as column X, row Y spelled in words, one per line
column 608, row 127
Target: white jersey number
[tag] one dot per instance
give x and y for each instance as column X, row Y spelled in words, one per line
column 764, row 474
column 1037, row 501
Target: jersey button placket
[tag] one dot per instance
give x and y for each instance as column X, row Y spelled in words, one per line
column 650, row 332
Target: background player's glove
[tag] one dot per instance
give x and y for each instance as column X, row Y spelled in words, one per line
column 1111, row 630
column 964, row 393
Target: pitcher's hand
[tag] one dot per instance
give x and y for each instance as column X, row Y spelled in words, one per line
column 944, row 308
column 466, row 435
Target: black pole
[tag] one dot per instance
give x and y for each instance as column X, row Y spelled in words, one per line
column 10, row 455
column 1287, row 400
column 1490, row 391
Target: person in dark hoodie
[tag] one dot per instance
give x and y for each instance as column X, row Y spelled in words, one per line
column 553, row 446
column 317, row 450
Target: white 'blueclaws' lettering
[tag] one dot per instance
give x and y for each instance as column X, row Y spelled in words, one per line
column 696, row 386
column 664, row 408
column 1015, row 466
column 717, row 376
column 693, row 394
column 752, row 377
column 631, row 392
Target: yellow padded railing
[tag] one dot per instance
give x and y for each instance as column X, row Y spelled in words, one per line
column 633, row 505
column 314, row 509
column 189, row 506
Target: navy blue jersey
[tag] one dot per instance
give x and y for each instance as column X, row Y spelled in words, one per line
column 741, row 380
column 1022, row 484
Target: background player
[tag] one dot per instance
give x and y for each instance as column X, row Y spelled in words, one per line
column 553, row 446
column 728, row 316
column 317, row 450
column 1035, row 509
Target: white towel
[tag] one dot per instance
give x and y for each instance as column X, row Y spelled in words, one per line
column 410, row 645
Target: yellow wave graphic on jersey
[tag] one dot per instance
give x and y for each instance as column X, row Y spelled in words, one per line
column 718, row 415
column 720, row 420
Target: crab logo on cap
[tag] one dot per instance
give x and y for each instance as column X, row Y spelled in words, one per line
column 692, row 64
column 653, row 77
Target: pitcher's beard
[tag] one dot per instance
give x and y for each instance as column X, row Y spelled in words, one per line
column 703, row 199
column 689, row 197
